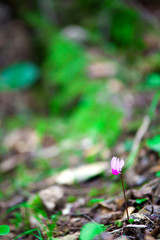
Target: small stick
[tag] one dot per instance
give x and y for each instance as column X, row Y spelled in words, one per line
column 124, row 197
column 142, row 130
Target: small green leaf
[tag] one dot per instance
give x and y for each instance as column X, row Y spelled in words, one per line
column 18, row 76
column 153, row 80
column 96, row 200
column 118, row 223
column 90, row 230
column 154, row 143
column 141, row 200
column 131, row 220
column 71, row 199
column 4, row 229
column 158, row 174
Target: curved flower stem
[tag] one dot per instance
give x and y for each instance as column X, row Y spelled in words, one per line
column 124, row 197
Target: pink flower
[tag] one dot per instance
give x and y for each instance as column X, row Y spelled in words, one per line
column 116, row 165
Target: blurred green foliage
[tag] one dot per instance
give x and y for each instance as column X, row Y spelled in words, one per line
column 64, row 71
column 67, row 89
column 154, row 143
column 94, row 201
column 158, row 174
column 91, row 230
column 97, row 118
column 18, row 76
column 153, row 80
column 117, row 21
column 94, row 192
column 4, row 230
column 37, row 207
column 70, row 93
column 17, row 219
column 118, row 223
column 140, row 200
column 31, row 232
column 125, row 27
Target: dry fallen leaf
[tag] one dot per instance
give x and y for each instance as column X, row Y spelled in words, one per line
column 10, row 163
column 130, row 211
column 108, row 206
column 102, row 69
column 73, row 236
column 22, row 140
column 51, row 196
column 108, row 217
column 115, row 85
column 34, row 223
column 147, row 237
column 78, row 174
column 142, row 193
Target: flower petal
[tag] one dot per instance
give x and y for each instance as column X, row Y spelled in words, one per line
column 115, row 172
column 116, row 165
column 113, row 162
column 121, row 164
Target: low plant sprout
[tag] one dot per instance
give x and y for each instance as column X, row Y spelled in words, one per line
column 117, row 166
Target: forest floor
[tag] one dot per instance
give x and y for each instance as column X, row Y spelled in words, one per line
column 55, row 185
column 61, row 204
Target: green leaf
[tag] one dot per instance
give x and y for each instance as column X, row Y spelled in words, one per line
column 90, row 230
column 131, row 220
column 153, row 80
column 154, row 143
column 30, row 232
column 18, row 76
column 96, row 200
column 4, row 229
column 158, row 174
column 141, row 200
column 118, row 223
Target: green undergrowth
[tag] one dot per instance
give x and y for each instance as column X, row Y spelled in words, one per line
column 21, row 213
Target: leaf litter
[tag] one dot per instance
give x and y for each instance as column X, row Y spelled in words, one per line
column 68, row 192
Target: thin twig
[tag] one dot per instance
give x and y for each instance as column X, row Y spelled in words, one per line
column 139, row 135
column 117, row 230
column 142, row 130
column 84, row 215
